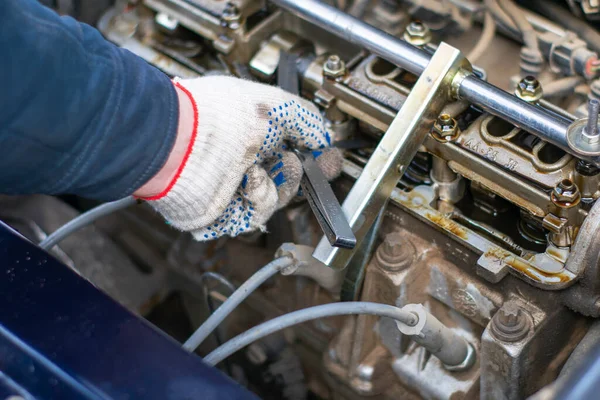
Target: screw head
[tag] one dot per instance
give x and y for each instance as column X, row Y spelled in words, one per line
column 395, row 253
column 529, row 89
column 510, row 323
column 509, row 316
column 334, row 67
column 231, row 16
column 445, row 129
column 566, row 194
column 417, row 33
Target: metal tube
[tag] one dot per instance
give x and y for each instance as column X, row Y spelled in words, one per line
column 531, row 118
column 355, row 31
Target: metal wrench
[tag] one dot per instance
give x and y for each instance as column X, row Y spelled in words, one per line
column 324, row 204
column 315, row 187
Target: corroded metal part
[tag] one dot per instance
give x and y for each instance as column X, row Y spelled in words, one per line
column 395, row 150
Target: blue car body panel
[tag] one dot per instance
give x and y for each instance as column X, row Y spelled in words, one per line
column 61, row 338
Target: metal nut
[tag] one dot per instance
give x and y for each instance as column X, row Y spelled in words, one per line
column 231, row 16
column 565, row 194
column 467, row 362
column 529, row 89
column 510, row 323
column 334, row 67
column 445, row 129
column 395, row 253
column 417, row 34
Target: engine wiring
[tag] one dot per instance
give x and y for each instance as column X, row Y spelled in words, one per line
column 84, row 220
column 483, row 45
column 304, row 315
column 235, row 299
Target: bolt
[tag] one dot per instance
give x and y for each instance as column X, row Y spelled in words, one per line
column 445, row 129
column 231, row 16
column 416, row 27
column 509, row 316
column 395, row 253
column 417, row 34
column 334, row 62
column 334, row 67
column 510, row 323
column 529, row 89
column 591, row 133
column 565, row 194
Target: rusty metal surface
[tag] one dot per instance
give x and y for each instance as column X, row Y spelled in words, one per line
column 395, row 150
column 495, row 261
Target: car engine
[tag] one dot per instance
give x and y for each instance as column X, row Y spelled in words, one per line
column 471, row 173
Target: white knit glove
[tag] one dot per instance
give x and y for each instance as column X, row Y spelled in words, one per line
column 238, row 172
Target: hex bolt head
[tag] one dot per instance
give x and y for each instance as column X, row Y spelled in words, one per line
column 445, row 129
column 334, row 67
column 510, row 323
column 417, row 34
column 231, row 16
column 566, row 194
column 529, row 89
column 395, row 253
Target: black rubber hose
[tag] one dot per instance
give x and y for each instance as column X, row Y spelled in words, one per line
column 563, row 16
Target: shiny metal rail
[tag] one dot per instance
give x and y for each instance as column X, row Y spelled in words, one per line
column 533, row 119
column 355, row 31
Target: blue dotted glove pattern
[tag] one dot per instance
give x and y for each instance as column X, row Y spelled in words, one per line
column 294, row 123
column 288, row 123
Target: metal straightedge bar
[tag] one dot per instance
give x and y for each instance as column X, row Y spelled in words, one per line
column 406, row 134
column 534, row 119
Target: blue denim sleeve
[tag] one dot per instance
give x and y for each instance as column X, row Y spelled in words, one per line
column 78, row 115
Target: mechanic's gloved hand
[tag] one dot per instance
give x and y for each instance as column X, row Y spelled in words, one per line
column 239, row 170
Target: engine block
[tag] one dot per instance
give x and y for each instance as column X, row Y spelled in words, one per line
column 491, row 222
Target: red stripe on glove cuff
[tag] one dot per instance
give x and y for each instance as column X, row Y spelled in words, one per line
column 188, row 151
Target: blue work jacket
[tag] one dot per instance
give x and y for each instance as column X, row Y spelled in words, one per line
column 78, row 115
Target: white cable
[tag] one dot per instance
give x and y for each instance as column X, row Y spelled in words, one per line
column 563, row 86
column 530, row 38
column 84, row 220
column 307, row 314
column 489, row 31
column 234, row 300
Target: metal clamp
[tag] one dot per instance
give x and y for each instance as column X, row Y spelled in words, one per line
column 399, row 145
